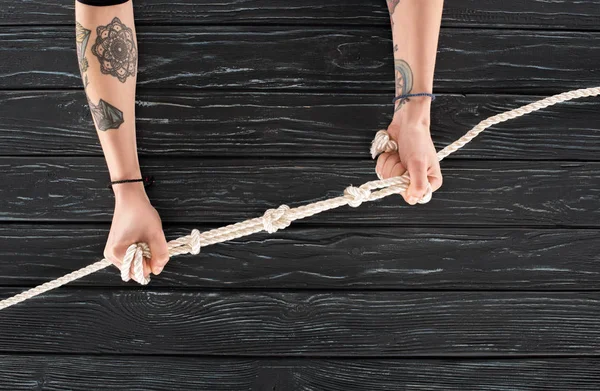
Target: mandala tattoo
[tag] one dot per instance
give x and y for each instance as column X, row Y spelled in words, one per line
column 82, row 36
column 106, row 115
column 404, row 81
column 116, row 51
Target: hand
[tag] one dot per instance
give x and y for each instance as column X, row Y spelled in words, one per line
column 136, row 220
column 416, row 153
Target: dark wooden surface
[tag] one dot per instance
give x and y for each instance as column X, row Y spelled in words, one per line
column 351, row 258
column 204, row 124
column 337, row 59
column 265, row 323
column 483, row 193
column 112, row 372
column 244, row 105
column 531, row 14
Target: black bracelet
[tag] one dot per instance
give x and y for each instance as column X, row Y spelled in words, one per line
column 406, row 96
column 148, row 181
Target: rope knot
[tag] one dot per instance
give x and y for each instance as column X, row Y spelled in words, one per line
column 189, row 244
column 275, row 219
column 427, row 197
column 356, row 195
column 194, row 242
column 382, row 143
column 135, row 255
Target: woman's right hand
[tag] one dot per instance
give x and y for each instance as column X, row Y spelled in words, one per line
column 416, row 151
column 136, row 220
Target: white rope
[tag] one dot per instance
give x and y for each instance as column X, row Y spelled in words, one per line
column 283, row 216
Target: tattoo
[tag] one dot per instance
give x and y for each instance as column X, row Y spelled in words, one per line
column 395, row 48
column 392, row 5
column 404, row 81
column 106, row 115
column 82, row 36
column 116, row 51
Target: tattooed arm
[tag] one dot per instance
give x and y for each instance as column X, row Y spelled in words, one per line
column 415, row 31
column 107, row 54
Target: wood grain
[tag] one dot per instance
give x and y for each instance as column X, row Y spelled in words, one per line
column 200, row 124
column 354, row 258
column 382, row 324
column 267, row 58
column 229, row 190
column 247, row 104
column 533, row 14
column 23, row 372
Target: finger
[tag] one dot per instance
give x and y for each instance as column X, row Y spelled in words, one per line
column 417, row 188
column 386, row 170
column 147, row 267
column 160, row 253
column 398, row 170
column 115, row 254
column 381, row 162
column 435, row 181
column 435, row 177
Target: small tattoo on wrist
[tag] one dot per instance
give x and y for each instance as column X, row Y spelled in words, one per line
column 404, row 80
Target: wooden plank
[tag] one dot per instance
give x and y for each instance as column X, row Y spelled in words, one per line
column 282, row 125
column 326, row 258
column 19, row 372
column 230, row 190
column 533, row 14
column 211, row 57
column 382, row 324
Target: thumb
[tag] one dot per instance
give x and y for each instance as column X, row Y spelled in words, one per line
column 160, row 253
column 417, row 188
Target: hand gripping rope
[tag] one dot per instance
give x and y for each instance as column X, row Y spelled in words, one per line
column 282, row 217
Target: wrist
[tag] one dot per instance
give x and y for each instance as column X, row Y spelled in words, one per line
column 416, row 110
column 129, row 190
column 123, row 171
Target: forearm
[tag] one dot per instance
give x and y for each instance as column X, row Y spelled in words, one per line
column 415, row 31
column 107, row 54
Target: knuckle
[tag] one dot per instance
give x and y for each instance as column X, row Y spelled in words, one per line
column 164, row 258
column 418, row 161
column 436, row 182
column 160, row 258
column 418, row 191
column 420, row 186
